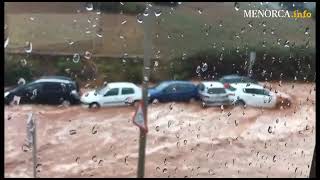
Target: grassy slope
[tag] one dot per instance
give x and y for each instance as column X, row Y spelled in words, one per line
column 50, row 31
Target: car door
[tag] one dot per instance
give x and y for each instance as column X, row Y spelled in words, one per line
column 127, row 95
column 254, row 97
column 52, row 93
column 111, row 97
column 268, row 99
column 31, row 93
column 170, row 93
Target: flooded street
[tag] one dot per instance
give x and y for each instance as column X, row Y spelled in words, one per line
column 184, row 140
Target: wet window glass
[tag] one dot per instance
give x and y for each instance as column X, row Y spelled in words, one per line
column 159, row 89
column 112, row 92
column 216, row 90
column 127, row 91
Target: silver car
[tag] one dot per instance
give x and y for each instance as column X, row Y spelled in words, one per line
column 213, row 93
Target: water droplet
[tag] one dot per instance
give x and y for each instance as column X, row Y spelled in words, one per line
column 185, row 142
column 123, row 22
column 72, row 132
column 77, row 159
column 28, row 47
column 204, row 67
column 157, row 12
column 236, row 6
column 146, row 13
column 250, row 24
column 199, row 10
column 89, row 6
column 126, row 160
column 157, row 168
column 87, row 55
column 229, row 114
column 169, row 123
column 94, row 130
column 306, row 32
column 270, row 129
column 23, row 62
column 21, row 81
column 139, row 19
column 165, row 170
column 76, row 58
column 274, row 158
column 286, row 43
column 198, row 69
column 25, row 148
column 99, row 35
column 6, row 42
column 94, row 158
column 156, row 63
column 157, row 128
column 210, row 171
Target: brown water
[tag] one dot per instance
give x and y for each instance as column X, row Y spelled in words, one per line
column 183, row 141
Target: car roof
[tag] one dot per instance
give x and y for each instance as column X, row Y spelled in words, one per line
column 215, row 84
column 233, row 76
column 120, row 84
column 56, row 77
column 246, row 85
column 176, row 81
column 53, row 80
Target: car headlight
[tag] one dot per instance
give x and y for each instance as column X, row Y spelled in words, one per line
column 6, row 94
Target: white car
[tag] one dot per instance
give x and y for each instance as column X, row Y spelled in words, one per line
column 248, row 94
column 113, row 94
column 213, row 93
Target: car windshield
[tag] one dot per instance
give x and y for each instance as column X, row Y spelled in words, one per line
column 102, row 90
column 160, row 86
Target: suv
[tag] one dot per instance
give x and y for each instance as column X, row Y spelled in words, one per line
column 46, row 90
column 213, row 93
column 173, row 91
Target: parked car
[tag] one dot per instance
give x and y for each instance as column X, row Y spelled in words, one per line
column 237, row 79
column 251, row 95
column 113, row 94
column 46, row 90
column 213, row 93
column 173, row 91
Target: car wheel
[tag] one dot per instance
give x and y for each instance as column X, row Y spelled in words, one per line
column 240, row 103
column 203, row 104
column 66, row 103
column 94, row 105
column 135, row 103
column 155, row 101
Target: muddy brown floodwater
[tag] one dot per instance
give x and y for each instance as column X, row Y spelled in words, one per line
column 184, row 140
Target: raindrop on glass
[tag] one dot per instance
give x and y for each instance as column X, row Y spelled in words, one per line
column 28, row 47
column 236, row 6
column 89, row 6
column 6, row 42
column 76, row 58
column 157, row 13
column 87, row 55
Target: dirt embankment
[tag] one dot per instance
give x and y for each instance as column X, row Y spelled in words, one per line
column 184, row 140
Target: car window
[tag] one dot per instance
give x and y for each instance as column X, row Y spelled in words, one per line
column 216, row 91
column 171, row 89
column 52, row 87
column 127, row 91
column 112, row 92
column 255, row 91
